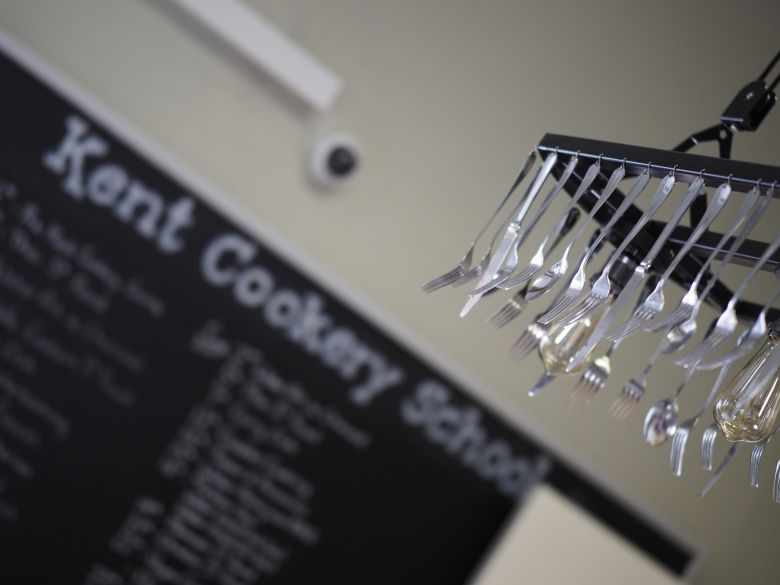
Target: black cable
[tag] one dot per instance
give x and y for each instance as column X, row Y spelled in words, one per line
column 774, row 83
column 766, row 71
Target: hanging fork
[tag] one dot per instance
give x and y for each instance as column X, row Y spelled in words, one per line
column 465, row 263
column 515, row 305
column 506, row 252
column 600, row 290
column 543, row 283
column 752, row 208
column 654, row 303
column 594, row 378
column 578, row 279
column 727, row 322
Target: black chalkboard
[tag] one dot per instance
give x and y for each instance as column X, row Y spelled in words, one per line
column 180, row 404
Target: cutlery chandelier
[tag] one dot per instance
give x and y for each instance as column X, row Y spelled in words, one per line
column 578, row 307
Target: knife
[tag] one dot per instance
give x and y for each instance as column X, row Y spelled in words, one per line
column 511, row 232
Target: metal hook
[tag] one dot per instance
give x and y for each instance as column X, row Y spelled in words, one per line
column 599, row 161
column 673, row 172
column 623, row 164
column 728, row 180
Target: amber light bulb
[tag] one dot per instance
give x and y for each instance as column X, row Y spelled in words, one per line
column 747, row 408
column 562, row 343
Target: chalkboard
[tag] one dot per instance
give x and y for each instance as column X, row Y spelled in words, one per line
column 179, row 403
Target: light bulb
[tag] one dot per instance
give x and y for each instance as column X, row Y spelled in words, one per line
column 562, row 343
column 747, row 407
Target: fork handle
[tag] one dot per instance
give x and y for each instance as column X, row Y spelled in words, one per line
column 660, row 195
column 529, row 161
column 719, row 471
column 748, row 203
column 652, row 360
column 541, row 383
column 756, row 215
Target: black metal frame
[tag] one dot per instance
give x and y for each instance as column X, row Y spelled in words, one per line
column 745, row 113
column 743, row 176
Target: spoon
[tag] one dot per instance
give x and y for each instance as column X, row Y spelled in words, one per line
column 678, row 335
column 661, row 420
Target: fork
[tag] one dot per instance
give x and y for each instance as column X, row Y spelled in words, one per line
column 505, row 259
column 528, row 341
column 478, row 269
column 708, row 445
column 578, row 279
column 600, row 290
column 680, row 438
column 536, row 331
column 727, row 322
column 752, row 209
column 465, row 263
column 504, row 280
column 633, row 390
column 755, row 458
column 594, row 378
column 654, row 303
column 517, row 303
column 543, row 283
column 753, row 335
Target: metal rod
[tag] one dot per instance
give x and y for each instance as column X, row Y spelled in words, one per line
column 743, row 175
column 687, row 269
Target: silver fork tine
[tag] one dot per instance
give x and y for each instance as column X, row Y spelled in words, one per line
column 634, row 389
column 478, row 269
column 547, row 280
column 511, row 309
column 600, row 289
column 680, row 439
column 465, row 263
column 755, row 458
column 748, row 340
column 583, row 309
column 592, row 380
column 751, row 209
column 526, row 343
column 727, row 322
column 755, row 462
column 718, row 472
column 563, row 303
column 561, row 227
column 505, row 260
column 680, row 314
column 708, row 445
column 517, row 303
column 448, row 277
column 654, row 303
column 713, row 340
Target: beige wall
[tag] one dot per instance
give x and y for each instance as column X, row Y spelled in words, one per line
column 446, row 98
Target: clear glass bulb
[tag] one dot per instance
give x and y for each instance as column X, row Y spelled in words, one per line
column 746, row 409
column 562, row 343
